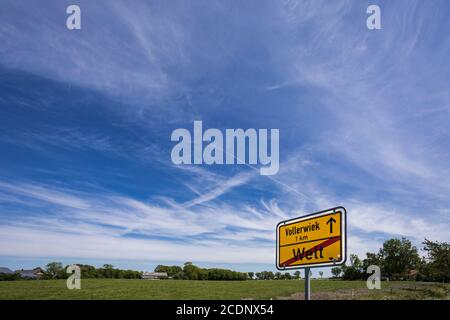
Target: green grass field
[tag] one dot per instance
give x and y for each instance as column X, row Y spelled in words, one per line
column 184, row 289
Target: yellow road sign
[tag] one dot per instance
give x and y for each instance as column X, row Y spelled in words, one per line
column 315, row 240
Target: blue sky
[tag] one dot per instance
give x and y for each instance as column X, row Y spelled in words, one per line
column 86, row 119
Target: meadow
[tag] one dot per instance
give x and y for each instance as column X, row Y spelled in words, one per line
column 199, row 290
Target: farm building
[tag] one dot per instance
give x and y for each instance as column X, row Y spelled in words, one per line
column 6, row 270
column 154, row 275
column 35, row 273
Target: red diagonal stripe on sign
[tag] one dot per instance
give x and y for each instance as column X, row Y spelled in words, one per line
column 324, row 244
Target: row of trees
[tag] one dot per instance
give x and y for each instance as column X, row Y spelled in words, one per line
column 55, row 270
column 398, row 259
column 193, row 272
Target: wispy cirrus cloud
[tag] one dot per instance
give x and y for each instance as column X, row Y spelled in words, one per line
column 131, row 215
column 222, row 187
column 40, row 193
column 109, row 218
column 106, row 221
column 94, row 60
column 30, row 243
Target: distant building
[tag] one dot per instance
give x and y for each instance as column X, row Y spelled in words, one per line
column 6, row 270
column 154, row 275
column 35, row 273
column 412, row 274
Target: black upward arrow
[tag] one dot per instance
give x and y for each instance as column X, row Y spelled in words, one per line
column 330, row 221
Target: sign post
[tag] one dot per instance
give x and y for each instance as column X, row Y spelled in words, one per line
column 307, row 284
column 315, row 240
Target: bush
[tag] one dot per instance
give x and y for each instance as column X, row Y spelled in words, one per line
column 9, row 277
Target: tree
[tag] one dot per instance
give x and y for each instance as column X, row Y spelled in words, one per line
column 88, row 271
column 321, row 274
column 437, row 266
column 250, row 275
column 278, row 275
column 287, row 276
column 373, row 259
column 355, row 270
column 175, row 272
column 336, row 271
column 108, row 271
column 259, row 276
column 191, row 272
column 398, row 258
column 54, row 270
column 268, row 275
column 297, row 274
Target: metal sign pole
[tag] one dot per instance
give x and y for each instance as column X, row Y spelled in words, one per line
column 307, row 284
